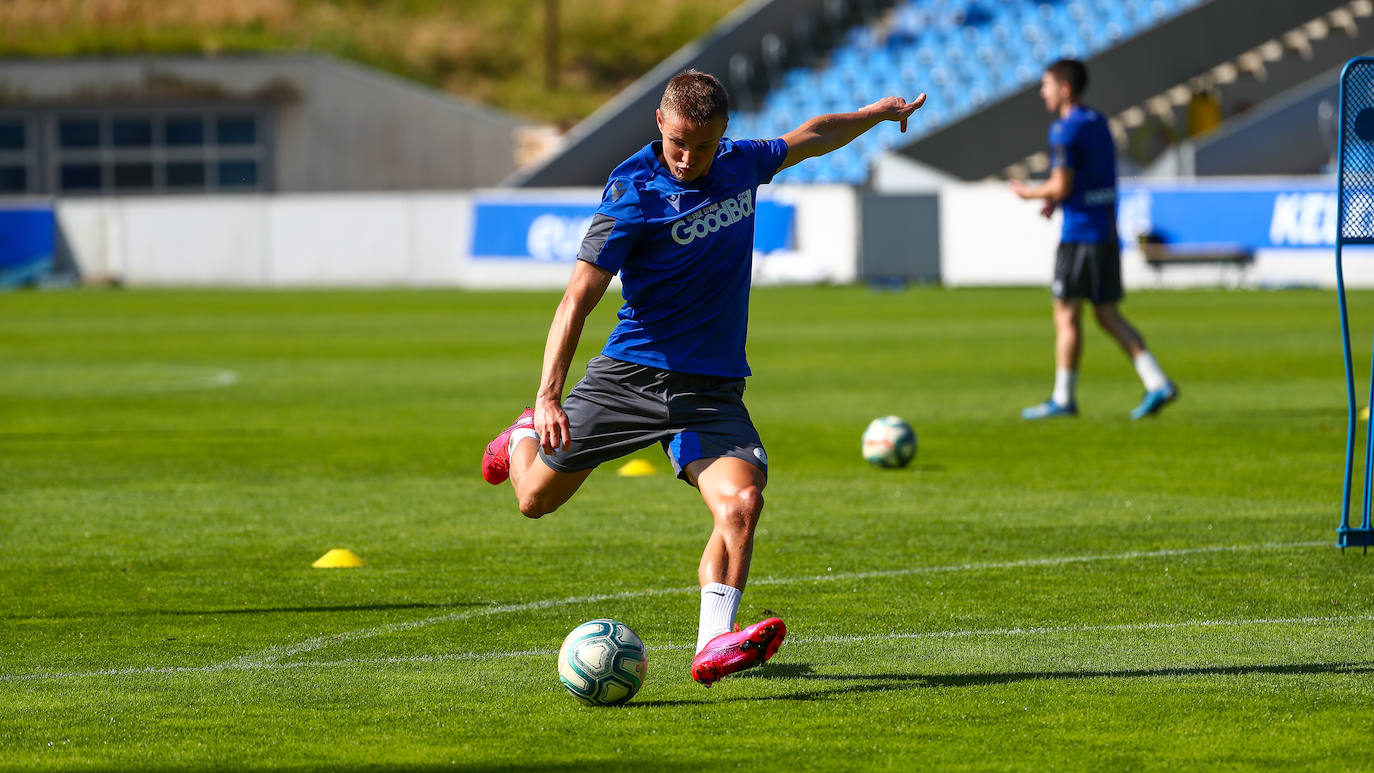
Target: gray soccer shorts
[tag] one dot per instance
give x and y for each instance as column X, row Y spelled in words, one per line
column 1086, row 270
column 621, row 407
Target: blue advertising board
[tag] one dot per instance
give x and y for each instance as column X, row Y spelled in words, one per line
column 28, row 237
column 552, row 230
column 1272, row 213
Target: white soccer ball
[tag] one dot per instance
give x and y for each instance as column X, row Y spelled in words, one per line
column 602, row 663
column 889, row 442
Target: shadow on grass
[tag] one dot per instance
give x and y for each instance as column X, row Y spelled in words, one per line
column 313, row 609
column 894, row 682
column 507, row 763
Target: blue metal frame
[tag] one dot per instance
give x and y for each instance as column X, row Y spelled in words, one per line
column 1346, row 535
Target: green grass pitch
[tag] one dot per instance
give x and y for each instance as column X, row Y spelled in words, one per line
column 1093, row 593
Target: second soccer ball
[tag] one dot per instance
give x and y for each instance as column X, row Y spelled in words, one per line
column 889, row 442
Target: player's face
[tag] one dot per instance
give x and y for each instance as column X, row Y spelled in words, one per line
column 689, row 148
column 1054, row 91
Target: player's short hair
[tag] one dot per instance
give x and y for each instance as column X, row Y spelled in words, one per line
column 697, row 97
column 1072, row 72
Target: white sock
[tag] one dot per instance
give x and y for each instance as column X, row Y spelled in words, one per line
column 518, row 435
column 1150, row 373
column 719, row 603
column 1065, row 382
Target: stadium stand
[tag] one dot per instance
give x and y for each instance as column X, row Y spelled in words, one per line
column 1254, row 45
column 980, row 61
column 963, row 53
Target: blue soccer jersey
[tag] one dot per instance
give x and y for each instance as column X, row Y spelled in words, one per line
column 1083, row 143
column 685, row 254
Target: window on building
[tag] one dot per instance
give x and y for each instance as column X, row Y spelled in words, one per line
column 133, row 132
column 13, row 179
column 119, row 150
column 79, row 132
column 185, row 174
column 13, row 135
column 80, row 178
column 14, row 157
column 236, row 130
column 238, row 174
column 136, row 176
column 183, row 132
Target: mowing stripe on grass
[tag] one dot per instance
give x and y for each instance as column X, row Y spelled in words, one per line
column 794, row 641
column 279, row 652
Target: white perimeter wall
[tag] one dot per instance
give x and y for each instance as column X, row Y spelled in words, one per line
column 369, row 240
column 987, row 237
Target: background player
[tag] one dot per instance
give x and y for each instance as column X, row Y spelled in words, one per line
column 1083, row 183
column 676, row 221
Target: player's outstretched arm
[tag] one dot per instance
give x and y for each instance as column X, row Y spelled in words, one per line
column 1058, row 187
column 832, row 131
column 585, row 288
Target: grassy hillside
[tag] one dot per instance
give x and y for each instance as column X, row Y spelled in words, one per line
column 490, row 50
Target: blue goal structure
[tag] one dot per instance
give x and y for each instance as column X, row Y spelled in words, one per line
column 1355, row 225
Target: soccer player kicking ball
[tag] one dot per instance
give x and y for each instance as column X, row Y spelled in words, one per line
column 676, row 222
column 1083, row 182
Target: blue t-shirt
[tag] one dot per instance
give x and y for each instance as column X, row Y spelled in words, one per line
column 1082, row 142
column 685, row 254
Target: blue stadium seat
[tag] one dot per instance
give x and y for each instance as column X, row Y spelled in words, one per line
column 796, row 77
column 962, row 53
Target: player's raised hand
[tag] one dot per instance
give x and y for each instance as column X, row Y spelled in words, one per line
column 897, row 108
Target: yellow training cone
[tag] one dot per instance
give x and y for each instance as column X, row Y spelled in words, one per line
column 636, row 468
column 338, row 558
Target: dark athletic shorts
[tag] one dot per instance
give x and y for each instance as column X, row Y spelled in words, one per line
column 620, row 407
column 1086, row 270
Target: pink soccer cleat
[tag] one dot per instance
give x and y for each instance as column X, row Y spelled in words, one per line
column 731, row 652
column 496, row 461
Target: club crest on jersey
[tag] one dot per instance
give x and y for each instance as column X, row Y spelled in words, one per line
column 712, row 218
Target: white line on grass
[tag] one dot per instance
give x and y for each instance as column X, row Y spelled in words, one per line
column 794, row 641
column 1028, row 562
column 281, row 651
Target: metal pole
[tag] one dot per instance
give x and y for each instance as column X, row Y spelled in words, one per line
column 551, row 44
column 1345, row 322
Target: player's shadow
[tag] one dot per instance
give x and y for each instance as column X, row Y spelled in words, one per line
column 851, row 684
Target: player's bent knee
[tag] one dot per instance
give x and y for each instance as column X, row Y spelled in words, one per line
column 541, row 490
column 536, row 505
column 741, row 511
column 537, row 501
column 529, row 507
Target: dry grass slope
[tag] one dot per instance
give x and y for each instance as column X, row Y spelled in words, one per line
column 489, row 50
